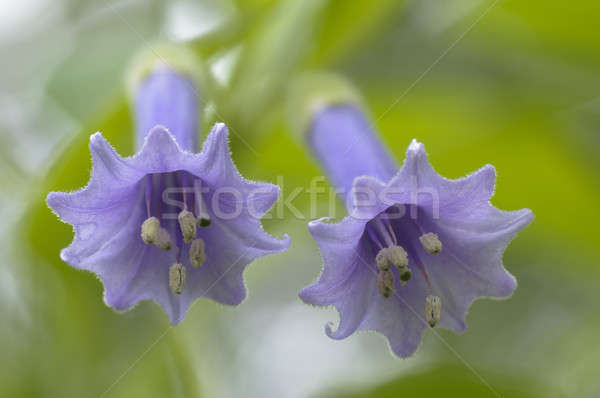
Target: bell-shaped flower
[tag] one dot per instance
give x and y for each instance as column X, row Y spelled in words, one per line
column 416, row 248
column 167, row 224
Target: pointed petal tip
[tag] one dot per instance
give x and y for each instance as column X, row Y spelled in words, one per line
column 306, row 294
column 343, row 330
column 314, row 226
column 159, row 129
column 160, row 140
column 219, row 131
column 415, row 148
column 528, row 214
column 56, row 201
column 285, row 242
column 68, row 257
column 509, row 286
column 96, row 137
column 330, row 332
column 489, row 170
column 53, row 199
column 415, row 156
column 339, row 333
column 64, row 255
column 159, row 134
column 216, row 144
column 98, row 143
column 523, row 218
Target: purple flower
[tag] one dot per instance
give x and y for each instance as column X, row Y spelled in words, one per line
column 167, row 224
column 416, row 250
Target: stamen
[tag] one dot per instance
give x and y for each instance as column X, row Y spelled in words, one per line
column 163, row 240
column 148, row 193
column 157, row 180
column 388, row 224
column 197, row 255
column 203, row 217
column 431, row 243
column 433, row 309
column 385, row 283
column 398, row 256
column 177, row 278
column 383, row 259
column 150, row 228
column 187, row 224
column 374, row 237
column 405, row 276
column 425, row 275
column 183, row 183
column 382, row 231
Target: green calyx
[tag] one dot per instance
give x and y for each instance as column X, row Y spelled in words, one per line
column 311, row 93
column 159, row 55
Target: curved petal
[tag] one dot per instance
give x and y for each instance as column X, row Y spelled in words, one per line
column 229, row 248
column 110, row 184
column 470, row 264
column 98, row 210
column 400, row 318
column 338, row 243
column 94, row 227
column 344, row 282
column 348, row 282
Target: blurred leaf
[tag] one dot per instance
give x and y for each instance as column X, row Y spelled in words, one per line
column 447, row 381
column 268, row 58
column 349, row 25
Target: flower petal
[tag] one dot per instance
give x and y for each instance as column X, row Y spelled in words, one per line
column 160, row 152
column 343, row 283
column 108, row 213
column 367, row 198
column 418, row 183
column 470, row 264
column 400, row 318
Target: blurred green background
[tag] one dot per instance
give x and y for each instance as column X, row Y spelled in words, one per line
column 511, row 83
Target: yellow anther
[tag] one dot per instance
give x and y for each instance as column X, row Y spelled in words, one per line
column 187, row 223
column 385, row 283
column 150, row 228
column 431, row 243
column 163, row 240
